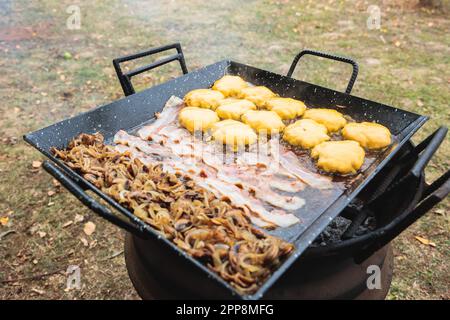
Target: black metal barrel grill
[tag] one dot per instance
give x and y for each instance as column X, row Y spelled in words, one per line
column 384, row 200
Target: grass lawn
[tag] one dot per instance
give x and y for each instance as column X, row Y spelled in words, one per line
column 50, row 72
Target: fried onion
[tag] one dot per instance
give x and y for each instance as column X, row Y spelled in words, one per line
column 207, row 228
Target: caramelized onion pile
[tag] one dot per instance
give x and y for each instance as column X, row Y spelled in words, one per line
column 207, row 228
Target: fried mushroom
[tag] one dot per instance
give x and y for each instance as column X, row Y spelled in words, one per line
column 197, row 119
column 330, row 118
column 258, row 95
column 234, row 108
column 343, row 157
column 305, row 133
column 203, row 98
column 286, row 108
column 263, row 121
column 229, row 85
column 233, row 133
column 370, row 135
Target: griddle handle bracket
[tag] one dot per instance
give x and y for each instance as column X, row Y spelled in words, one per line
column 125, row 78
column 328, row 56
column 88, row 201
column 421, row 154
column 428, row 148
column 402, row 222
column 423, row 201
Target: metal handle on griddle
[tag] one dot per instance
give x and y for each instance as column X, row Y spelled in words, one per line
column 88, row 201
column 421, row 154
column 328, row 56
column 125, row 78
column 399, row 224
column 429, row 146
column 423, row 202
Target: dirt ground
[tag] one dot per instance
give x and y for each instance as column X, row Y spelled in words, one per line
column 50, row 72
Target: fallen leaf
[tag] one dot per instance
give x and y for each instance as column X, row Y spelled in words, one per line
column 36, row 164
column 51, row 193
column 78, row 218
column 116, row 254
column 34, row 228
column 440, row 212
column 84, row 241
column 56, row 183
column 425, row 241
column 38, row 291
column 41, row 234
column 93, row 244
column 68, row 223
column 9, row 140
column 4, row 221
column 89, row 228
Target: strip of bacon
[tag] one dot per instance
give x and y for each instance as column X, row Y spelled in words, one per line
column 240, row 198
column 290, row 162
column 252, row 182
column 167, row 116
column 123, row 137
column 205, row 177
column 249, row 179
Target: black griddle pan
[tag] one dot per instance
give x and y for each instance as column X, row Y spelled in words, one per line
column 136, row 109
